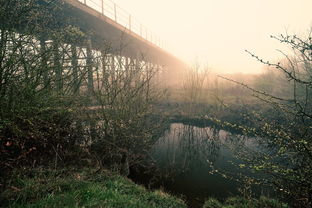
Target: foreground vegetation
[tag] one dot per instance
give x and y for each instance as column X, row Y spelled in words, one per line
column 64, row 97
column 240, row 202
column 81, row 188
column 99, row 188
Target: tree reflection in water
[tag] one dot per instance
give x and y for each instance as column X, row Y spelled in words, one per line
column 199, row 162
column 185, row 147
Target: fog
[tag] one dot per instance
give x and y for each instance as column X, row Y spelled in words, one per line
column 217, row 32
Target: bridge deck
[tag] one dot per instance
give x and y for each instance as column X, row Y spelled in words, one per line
column 119, row 36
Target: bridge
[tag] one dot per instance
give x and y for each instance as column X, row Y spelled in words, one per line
column 110, row 43
column 110, row 22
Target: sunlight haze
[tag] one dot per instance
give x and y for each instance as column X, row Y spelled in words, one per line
column 217, row 32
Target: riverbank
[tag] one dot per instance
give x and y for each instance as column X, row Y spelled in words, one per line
column 80, row 188
column 99, row 188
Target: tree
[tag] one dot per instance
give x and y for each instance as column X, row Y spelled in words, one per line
column 286, row 159
column 193, row 86
column 60, row 90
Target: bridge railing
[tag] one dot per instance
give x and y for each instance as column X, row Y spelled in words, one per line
column 111, row 10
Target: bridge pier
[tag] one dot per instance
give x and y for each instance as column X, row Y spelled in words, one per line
column 74, row 64
column 112, row 69
column 105, row 68
column 77, row 67
column 57, row 66
column 44, row 62
column 89, row 66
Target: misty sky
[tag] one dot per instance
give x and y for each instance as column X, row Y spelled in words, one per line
column 216, row 32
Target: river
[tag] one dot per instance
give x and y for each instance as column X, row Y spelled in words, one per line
column 196, row 163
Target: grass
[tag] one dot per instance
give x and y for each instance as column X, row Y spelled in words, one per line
column 239, row 202
column 89, row 188
column 48, row 188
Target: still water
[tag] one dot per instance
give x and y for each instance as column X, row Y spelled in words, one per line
column 200, row 162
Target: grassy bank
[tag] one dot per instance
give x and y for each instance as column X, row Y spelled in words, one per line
column 92, row 188
column 81, row 188
column 240, row 202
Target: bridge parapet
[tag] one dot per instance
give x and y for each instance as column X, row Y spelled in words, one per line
column 119, row 15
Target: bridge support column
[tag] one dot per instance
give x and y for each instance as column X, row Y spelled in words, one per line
column 131, row 72
column 127, row 66
column 105, row 66
column 44, row 62
column 57, row 66
column 138, row 71
column 89, row 64
column 148, row 74
column 113, row 69
column 74, row 63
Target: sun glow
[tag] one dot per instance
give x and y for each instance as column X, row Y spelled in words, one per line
column 218, row 32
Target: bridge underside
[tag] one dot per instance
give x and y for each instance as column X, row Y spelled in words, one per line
column 102, row 28
column 107, row 50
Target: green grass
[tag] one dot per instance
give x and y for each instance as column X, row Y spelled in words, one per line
column 82, row 189
column 86, row 188
column 239, row 202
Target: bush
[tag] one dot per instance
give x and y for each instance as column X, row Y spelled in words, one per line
column 285, row 156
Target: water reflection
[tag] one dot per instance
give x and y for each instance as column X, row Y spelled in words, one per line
column 186, row 147
column 195, row 159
